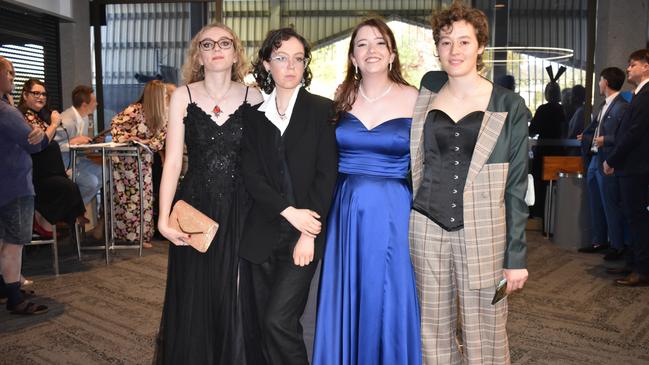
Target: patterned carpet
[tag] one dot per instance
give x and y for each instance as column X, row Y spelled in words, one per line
column 569, row 312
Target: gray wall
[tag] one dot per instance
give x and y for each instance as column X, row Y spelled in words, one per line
column 75, row 50
column 621, row 29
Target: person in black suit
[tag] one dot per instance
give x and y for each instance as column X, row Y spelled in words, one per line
column 629, row 162
column 597, row 142
column 289, row 164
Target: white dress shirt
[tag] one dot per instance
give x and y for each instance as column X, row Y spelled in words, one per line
column 637, row 89
column 269, row 107
column 74, row 125
column 609, row 100
column 600, row 116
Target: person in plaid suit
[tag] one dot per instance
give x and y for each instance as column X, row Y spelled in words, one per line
column 469, row 159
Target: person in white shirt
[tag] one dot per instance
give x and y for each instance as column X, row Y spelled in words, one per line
column 597, row 142
column 628, row 161
column 74, row 131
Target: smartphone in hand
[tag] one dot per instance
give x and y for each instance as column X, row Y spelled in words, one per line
column 501, row 292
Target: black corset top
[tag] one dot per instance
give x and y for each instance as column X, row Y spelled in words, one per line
column 448, row 149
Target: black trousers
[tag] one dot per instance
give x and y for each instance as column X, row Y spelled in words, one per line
column 633, row 190
column 281, row 290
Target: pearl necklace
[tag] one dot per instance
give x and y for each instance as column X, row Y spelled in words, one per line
column 371, row 100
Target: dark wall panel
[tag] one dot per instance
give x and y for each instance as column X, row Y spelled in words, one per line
column 20, row 27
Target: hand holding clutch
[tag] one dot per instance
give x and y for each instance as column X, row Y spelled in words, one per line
column 189, row 220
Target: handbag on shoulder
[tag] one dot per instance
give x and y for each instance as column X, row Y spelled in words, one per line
column 191, row 221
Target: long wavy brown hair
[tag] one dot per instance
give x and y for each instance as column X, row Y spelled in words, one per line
column 154, row 106
column 192, row 70
column 348, row 90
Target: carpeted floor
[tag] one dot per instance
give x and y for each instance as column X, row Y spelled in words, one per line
column 569, row 313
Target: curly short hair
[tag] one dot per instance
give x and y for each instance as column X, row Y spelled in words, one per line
column 273, row 41
column 192, row 70
column 458, row 11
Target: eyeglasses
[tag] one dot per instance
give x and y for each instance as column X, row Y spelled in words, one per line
column 283, row 60
column 38, row 94
column 207, row 44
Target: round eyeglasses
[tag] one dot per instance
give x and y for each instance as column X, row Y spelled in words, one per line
column 208, row 44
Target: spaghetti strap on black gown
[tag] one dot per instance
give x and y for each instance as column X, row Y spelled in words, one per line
column 201, row 319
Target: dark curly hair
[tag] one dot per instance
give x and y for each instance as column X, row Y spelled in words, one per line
column 273, row 41
column 458, row 11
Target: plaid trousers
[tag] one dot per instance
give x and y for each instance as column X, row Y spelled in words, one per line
column 440, row 264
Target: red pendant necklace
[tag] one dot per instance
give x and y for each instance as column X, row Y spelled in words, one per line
column 217, row 111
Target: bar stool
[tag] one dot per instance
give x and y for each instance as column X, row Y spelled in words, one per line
column 49, row 241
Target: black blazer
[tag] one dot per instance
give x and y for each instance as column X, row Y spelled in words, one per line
column 610, row 122
column 629, row 156
column 312, row 159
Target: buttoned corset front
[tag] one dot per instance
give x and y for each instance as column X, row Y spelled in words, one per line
column 448, row 149
column 383, row 151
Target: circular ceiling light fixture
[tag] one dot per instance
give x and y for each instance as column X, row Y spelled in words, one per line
column 542, row 53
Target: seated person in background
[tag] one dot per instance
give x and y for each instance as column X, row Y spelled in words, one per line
column 57, row 198
column 144, row 121
column 74, row 131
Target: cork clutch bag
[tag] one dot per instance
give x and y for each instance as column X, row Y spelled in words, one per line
column 191, row 221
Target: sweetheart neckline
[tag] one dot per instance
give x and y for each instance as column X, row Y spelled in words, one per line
column 378, row 125
column 459, row 120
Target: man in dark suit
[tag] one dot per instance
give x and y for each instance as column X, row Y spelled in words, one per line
column 597, row 142
column 629, row 162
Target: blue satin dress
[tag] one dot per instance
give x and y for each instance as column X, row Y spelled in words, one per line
column 368, row 311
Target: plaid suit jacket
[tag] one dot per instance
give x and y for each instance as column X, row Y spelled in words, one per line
column 495, row 212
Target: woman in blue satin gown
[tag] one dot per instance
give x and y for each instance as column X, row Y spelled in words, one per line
column 367, row 308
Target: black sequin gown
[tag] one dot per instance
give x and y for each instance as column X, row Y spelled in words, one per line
column 201, row 320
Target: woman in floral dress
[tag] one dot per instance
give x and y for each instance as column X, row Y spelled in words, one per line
column 145, row 122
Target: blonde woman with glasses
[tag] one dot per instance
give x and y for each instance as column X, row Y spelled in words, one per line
column 203, row 317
